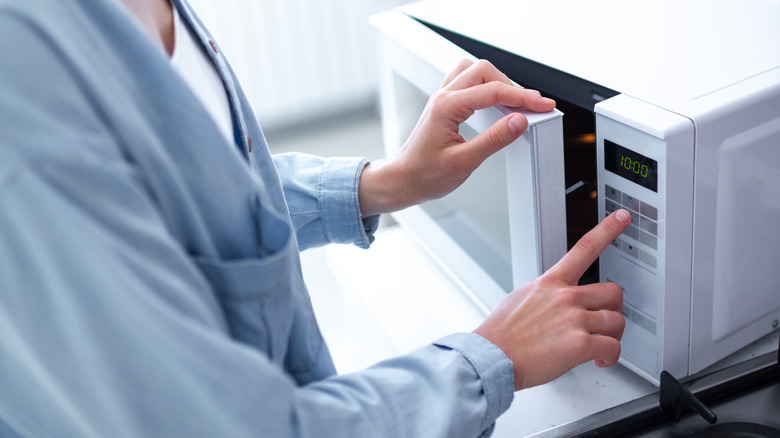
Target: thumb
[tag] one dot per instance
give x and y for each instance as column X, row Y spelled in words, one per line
column 499, row 135
column 517, row 124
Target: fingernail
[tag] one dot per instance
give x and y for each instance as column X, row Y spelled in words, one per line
column 516, row 125
column 623, row 216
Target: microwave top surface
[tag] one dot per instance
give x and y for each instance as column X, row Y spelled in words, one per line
column 660, row 51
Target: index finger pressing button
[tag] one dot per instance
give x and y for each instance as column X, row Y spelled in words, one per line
column 571, row 267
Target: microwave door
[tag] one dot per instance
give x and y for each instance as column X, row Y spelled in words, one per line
column 507, row 223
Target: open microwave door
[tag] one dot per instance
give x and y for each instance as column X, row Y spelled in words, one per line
column 507, row 223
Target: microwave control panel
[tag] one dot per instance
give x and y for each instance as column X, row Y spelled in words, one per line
column 631, row 176
column 634, row 260
column 644, row 165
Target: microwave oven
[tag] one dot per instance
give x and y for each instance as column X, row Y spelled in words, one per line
column 668, row 109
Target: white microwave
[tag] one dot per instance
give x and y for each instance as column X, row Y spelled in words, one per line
column 669, row 109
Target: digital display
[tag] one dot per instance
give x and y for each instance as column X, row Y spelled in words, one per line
column 631, row 165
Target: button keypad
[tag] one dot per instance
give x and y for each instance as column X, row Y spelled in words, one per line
column 649, row 226
column 613, row 194
column 649, row 211
column 648, row 239
column 630, row 202
column 632, row 232
column 631, row 249
column 643, row 229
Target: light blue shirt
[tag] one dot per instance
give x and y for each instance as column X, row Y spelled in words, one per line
column 150, row 283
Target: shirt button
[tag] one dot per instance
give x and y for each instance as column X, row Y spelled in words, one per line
column 213, row 46
column 249, row 142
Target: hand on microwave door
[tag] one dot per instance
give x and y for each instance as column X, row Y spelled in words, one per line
column 435, row 160
column 551, row 325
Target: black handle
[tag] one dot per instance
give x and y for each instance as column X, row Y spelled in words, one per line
column 674, row 394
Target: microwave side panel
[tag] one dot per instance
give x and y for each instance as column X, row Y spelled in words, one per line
column 736, row 286
column 651, row 261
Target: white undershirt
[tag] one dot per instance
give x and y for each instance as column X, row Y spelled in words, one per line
column 197, row 70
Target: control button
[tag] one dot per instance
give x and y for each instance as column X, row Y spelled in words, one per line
column 612, row 193
column 634, row 217
column 648, row 210
column 649, row 259
column 632, row 232
column 648, row 240
column 631, row 249
column 644, row 321
column 616, row 243
column 649, row 226
column 610, row 207
column 630, row 202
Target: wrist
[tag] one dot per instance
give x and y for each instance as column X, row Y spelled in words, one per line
column 382, row 189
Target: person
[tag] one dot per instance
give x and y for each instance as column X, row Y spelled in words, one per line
column 150, row 283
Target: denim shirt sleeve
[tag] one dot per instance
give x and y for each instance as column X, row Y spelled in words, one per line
column 494, row 368
column 140, row 349
column 322, row 195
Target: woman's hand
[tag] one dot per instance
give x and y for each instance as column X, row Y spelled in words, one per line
column 551, row 325
column 435, row 160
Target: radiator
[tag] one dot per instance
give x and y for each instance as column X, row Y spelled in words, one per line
column 298, row 60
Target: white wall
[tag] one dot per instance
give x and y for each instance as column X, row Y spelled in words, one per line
column 298, row 59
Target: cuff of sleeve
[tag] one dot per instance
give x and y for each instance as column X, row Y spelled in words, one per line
column 339, row 203
column 493, row 368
